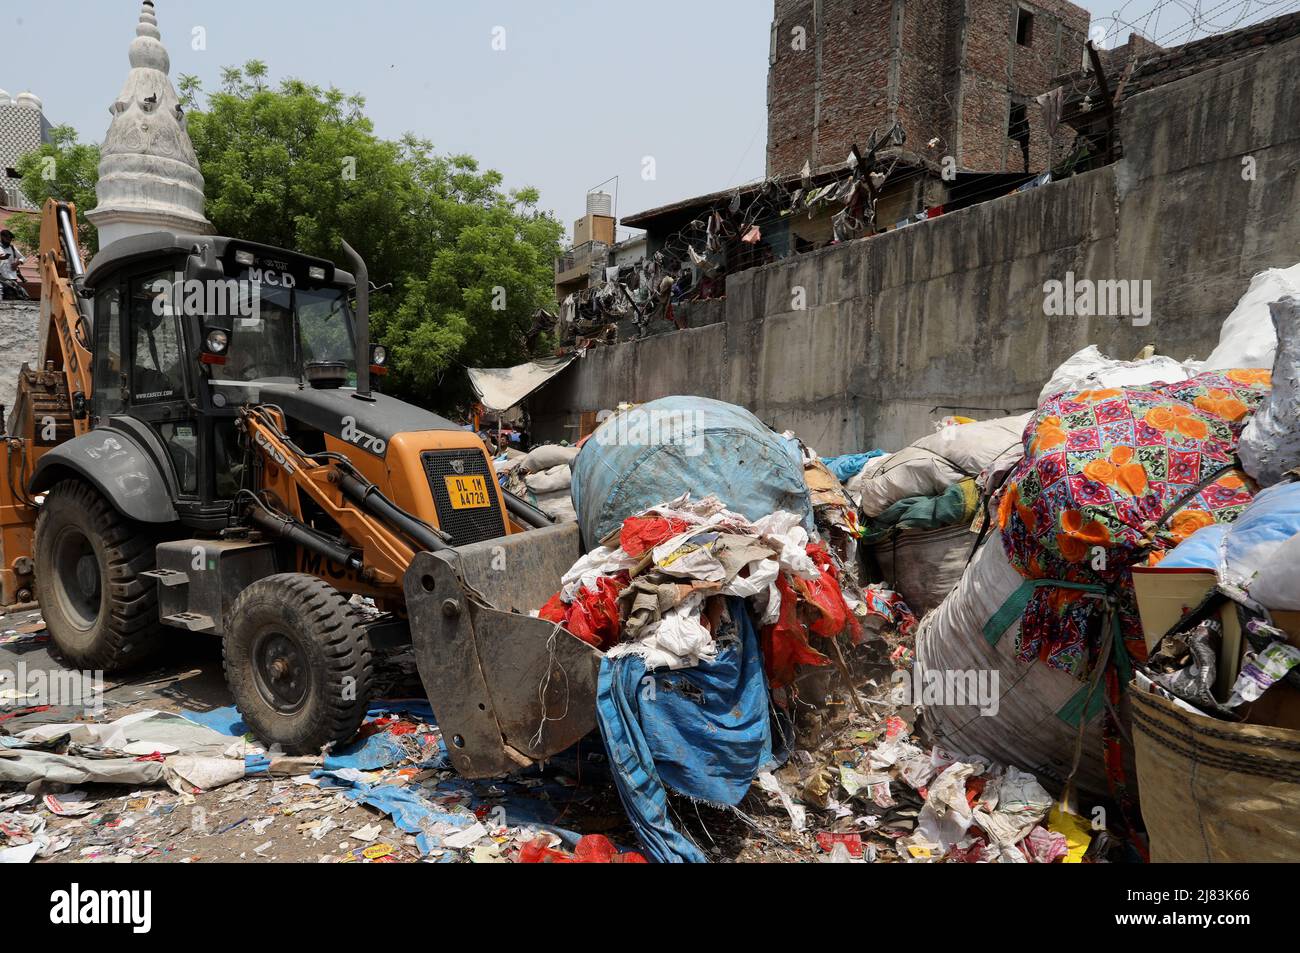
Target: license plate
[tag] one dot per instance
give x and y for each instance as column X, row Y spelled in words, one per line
column 467, row 492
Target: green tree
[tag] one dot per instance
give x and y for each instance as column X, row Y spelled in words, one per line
column 300, row 166
column 63, row 169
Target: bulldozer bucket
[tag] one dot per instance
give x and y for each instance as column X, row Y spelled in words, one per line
column 508, row 689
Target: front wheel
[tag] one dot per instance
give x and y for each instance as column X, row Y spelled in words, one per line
column 100, row 612
column 298, row 662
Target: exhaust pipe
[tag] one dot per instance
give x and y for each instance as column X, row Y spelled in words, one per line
column 362, row 276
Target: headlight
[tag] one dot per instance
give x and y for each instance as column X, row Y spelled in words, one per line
column 217, row 341
column 378, row 354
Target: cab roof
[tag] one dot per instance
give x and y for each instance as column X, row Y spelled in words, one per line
column 136, row 248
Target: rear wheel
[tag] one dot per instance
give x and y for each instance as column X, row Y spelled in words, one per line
column 99, row 612
column 298, row 662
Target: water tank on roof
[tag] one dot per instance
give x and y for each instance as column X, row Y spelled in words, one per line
column 600, row 203
column 5, row 98
column 28, row 100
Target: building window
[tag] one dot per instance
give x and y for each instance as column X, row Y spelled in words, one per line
column 1024, row 27
column 1018, row 122
column 1018, row 129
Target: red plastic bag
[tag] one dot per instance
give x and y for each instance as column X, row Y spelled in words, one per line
column 591, row 849
column 825, row 596
column 595, row 849
column 539, row 851
column 593, row 616
column 640, row 534
column 785, row 643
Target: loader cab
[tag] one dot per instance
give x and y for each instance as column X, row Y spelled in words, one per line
column 187, row 329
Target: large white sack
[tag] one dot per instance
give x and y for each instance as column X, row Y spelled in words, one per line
column 1025, row 731
column 935, row 462
column 1270, row 444
column 1247, row 338
column 546, row 457
column 1277, row 587
column 548, row 481
column 1089, row 369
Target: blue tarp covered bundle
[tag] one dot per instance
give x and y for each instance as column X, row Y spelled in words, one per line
column 654, row 453
column 704, row 732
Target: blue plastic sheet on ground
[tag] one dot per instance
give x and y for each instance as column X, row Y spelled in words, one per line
column 226, row 720
column 408, row 808
column 850, row 465
column 704, row 732
column 369, row 754
column 413, row 812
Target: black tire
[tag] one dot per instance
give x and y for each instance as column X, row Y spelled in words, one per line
column 298, row 662
column 99, row 612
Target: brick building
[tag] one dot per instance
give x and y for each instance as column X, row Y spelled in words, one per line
column 964, row 72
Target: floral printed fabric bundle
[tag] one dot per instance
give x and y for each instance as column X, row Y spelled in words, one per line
column 1115, row 478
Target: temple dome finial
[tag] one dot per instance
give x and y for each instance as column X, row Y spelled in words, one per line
column 149, row 177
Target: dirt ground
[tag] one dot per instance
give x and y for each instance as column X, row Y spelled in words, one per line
column 290, row 819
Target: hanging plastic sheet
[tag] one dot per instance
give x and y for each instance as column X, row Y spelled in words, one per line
column 500, row 388
column 703, row 732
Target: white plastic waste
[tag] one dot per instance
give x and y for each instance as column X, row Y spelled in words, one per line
column 1247, row 338
column 1270, row 444
column 1089, row 369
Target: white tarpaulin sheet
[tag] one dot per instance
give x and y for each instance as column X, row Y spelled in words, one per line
column 500, row 388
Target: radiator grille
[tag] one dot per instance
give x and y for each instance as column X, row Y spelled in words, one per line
column 463, row 526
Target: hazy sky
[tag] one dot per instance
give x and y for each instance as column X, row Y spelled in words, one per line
column 583, row 90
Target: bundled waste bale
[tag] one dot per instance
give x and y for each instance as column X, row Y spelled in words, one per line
column 712, row 611
column 1213, row 791
column 934, row 463
column 1110, row 478
column 918, row 504
column 921, row 545
column 1031, row 718
column 659, row 450
column 924, row 565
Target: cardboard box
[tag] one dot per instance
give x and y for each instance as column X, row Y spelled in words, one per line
column 1164, row 596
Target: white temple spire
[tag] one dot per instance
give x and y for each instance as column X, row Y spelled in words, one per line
column 149, row 177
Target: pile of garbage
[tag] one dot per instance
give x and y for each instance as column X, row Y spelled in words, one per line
column 882, row 795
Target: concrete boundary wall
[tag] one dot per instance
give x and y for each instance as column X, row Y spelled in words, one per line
column 947, row 316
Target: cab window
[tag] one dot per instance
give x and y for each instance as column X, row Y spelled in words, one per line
column 109, row 397
column 157, row 367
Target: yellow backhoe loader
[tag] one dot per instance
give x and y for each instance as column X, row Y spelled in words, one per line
column 200, row 450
